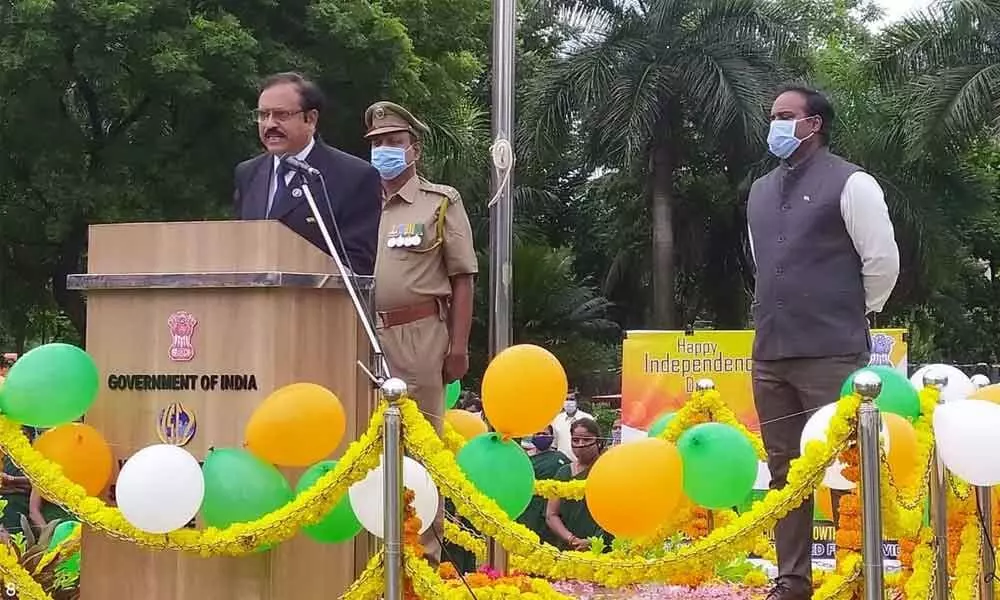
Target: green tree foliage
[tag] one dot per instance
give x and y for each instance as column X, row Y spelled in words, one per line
column 640, row 125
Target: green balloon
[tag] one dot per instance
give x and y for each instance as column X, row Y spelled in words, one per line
column 452, row 392
column 239, row 488
column 501, row 470
column 51, row 385
column 660, row 424
column 720, row 465
column 898, row 394
column 340, row 524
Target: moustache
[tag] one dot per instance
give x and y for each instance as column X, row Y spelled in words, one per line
column 274, row 131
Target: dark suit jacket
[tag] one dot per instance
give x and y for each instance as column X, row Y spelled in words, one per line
column 355, row 195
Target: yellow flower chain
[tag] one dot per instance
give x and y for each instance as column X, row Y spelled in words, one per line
column 453, row 440
column 920, row 584
column 552, row 489
column 238, row 539
column 14, row 577
column 614, row 569
column 707, row 406
column 430, row 586
column 842, row 583
column 968, row 562
column 458, row 535
column 369, row 585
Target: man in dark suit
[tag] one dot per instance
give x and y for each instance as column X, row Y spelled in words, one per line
column 287, row 114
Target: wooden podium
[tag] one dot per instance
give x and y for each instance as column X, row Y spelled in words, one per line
column 204, row 320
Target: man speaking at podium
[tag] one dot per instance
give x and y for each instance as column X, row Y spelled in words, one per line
column 267, row 187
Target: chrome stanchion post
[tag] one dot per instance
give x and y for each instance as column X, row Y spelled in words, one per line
column 868, row 385
column 939, row 503
column 985, row 501
column 393, row 390
column 703, row 385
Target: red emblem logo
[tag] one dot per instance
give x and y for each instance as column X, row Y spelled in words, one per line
column 181, row 324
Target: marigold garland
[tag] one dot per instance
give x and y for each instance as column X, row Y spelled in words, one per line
column 429, row 585
column 463, row 538
column 236, row 540
column 903, row 507
column 697, row 527
column 705, row 406
column 614, row 569
column 968, row 562
column 371, row 583
column 920, row 584
column 452, row 439
column 842, row 583
column 14, row 577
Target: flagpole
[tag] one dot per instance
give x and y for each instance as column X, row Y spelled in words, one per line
column 501, row 210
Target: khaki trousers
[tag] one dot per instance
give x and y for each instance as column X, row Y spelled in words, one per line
column 415, row 352
column 786, row 393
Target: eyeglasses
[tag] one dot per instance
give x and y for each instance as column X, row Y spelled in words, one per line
column 279, row 116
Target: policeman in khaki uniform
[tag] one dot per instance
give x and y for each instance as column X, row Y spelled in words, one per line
column 424, row 268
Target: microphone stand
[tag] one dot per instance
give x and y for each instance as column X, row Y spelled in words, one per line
column 393, row 390
column 381, row 365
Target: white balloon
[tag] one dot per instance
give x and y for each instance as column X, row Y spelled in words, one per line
column 815, row 430
column 763, row 480
column 967, row 440
column 160, row 488
column 367, row 498
column 959, row 385
column 979, row 380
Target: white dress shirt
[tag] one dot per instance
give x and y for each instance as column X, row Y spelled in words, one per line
column 563, row 433
column 288, row 176
column 866, row 218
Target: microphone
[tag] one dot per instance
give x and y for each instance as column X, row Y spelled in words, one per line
column 301, row 166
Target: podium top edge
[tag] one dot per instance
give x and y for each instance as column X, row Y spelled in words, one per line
column 214, row 280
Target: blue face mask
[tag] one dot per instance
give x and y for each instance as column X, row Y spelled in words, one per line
column 542, row 442
column 389, row 161
column 781, row 140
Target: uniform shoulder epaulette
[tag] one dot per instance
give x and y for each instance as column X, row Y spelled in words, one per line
column 445, row 190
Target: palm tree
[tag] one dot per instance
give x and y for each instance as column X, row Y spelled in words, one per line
column 650, row 78
column 551, row 309
column 946, row 63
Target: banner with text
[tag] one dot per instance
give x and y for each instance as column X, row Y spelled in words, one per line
column 660, row 369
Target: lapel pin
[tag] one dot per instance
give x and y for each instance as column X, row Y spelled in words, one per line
column 296, row 193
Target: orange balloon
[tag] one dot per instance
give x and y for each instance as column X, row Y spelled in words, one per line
column 524, row 388
column 82, row 452
column 824, row 502
column 634, row 488
column 465, row 423
column 296, row 426
column 990, row 393
column 902, row 453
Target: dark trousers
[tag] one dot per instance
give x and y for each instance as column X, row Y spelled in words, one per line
column 786, row 392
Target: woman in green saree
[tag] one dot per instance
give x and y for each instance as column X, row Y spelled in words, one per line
column 546, row 462
column 570, row 520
